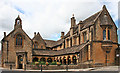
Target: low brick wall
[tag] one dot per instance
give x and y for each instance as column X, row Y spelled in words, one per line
column 55, row 67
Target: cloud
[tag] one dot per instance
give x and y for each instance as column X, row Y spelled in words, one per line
column 49, row 17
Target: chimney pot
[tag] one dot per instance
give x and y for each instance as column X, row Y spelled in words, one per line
column 4, row 34
column 34, row 33
column 62, row 35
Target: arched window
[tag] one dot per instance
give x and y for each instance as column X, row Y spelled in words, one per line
column 19, row 39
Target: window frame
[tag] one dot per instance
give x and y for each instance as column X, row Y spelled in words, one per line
column 19, row 40
column 104, row 34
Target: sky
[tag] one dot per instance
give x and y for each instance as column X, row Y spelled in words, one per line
column 50, row 17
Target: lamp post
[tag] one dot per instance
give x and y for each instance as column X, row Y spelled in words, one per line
column 117, row 55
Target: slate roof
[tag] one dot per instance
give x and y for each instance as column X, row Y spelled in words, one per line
column 51, row 43
column 70, row 50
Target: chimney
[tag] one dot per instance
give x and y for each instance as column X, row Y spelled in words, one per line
column 4, row 34
column 73, row 21
column 34, row 34
column 79, row 26
column 62, row 35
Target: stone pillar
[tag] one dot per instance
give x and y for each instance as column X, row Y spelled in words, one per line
column 65, row 43
column 16, row 61
column 71, row 59
column 88, row 52
column 90, row 37
column 87, row 33
column 77, row 40
column 106, row 33
column 69, row 43
column 24, row 60
column 73, row 41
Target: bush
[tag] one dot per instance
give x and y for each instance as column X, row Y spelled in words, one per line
column 47, row 63
column 42, row 62
column 53, row 63
column 58, row 63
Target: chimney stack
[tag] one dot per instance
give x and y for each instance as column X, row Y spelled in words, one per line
column 73, row 21
column 4, row 34
column 62, row 35
column 79, row 26
column 34, row 34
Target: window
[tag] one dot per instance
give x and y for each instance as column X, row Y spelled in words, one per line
column 108, row 34
column 75, row 40
column 84, row 37
column 35, row 45
column 67, row 42
column 18, row 39
column 104, row 34
column 41, row 47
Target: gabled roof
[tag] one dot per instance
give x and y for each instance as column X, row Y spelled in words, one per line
column 90, row 21
column 51, row 43
column 14, row 31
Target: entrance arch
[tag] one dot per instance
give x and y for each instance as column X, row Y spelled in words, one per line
column 20, row 61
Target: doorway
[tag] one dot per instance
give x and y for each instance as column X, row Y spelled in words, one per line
column 20, row 62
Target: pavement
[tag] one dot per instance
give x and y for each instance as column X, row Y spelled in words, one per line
column 105, row 68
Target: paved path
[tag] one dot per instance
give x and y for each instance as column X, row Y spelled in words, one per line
column 106, row 68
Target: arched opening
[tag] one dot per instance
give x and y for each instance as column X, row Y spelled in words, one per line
column 74, row 60
column 35, row 59
column 69, row 60
column 64, row 60
column 57, row 59
column 49, row 60
column 60, row 60
column 43, row 59
column 20, row 60
column 19, row 40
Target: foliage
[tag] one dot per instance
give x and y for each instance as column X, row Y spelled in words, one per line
column 53, row 63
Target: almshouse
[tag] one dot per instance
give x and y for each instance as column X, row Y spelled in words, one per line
column 91, row 41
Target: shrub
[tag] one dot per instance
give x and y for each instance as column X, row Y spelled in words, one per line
column 42, row 62
column 53, row 63
column 47, row 63
column 58, row 63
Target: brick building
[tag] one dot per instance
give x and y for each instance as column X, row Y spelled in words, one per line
column 91, row 41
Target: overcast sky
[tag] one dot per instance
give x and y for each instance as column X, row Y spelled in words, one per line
column 50, row 17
